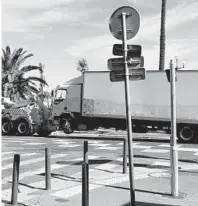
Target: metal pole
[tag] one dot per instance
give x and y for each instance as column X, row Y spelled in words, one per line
column 85, row 183
column 128, row 113
column 124, row 156
column 15, row 179
column 173, row 140
column 85, row 151
column 47, row 170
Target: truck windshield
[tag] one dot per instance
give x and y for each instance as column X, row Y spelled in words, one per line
column 60, row 94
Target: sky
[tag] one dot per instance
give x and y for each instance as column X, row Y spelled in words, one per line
column 60, row 32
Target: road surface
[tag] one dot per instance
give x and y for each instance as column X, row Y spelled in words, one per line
column 151, row 159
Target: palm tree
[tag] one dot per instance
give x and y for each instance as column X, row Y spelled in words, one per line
column 14, row 83
column 82, row 65
column 42, row 77
column 162, row 36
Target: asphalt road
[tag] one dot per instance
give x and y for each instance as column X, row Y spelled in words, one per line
column 151, row 157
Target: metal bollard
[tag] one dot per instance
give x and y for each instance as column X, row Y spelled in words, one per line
column 124, row 156
column 47, row 170
column 85, row 184
column 85, row 151
column 15, row 179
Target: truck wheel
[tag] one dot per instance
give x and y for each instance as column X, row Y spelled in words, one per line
column 22, row 127
column 186, row 133
column 67, row 126
column 6, row 127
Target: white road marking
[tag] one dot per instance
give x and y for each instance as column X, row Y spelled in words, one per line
column 63, row 141
column 106, row 166
column 5, row 153
column 161, row 163
column 26, row 162
column 12, row 141
column 95, row 142
column 99, row 145
column 195, row 153
column 141, row 147
column 107, row 148
column 167, row 145
column 189, row 167
column 34, row 143
column 32, row 173
column 65, row 146
column 23, row 155
column 155, row 151
column 188, row 149
column 42, row 170
column 90, row 157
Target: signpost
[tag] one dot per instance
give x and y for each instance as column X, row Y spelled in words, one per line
column 118, row 63
column 173, row 139
column 132, row 50
column 124, row 24
column 134, row 74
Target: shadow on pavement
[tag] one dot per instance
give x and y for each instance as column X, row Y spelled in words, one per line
column 91, row 162
column 139, row 139
column 146, row 204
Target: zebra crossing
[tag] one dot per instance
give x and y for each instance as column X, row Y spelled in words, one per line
column 66, row 159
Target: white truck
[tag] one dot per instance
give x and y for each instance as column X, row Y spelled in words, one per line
column 92, row 100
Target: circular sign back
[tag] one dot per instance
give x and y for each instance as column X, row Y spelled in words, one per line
column 132, row 22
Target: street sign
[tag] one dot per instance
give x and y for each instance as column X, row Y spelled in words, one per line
column 118, row 63
column 133, row 50
column 132, row 22
column 134, row 74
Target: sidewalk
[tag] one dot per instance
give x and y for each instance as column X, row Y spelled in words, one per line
column 153, row 190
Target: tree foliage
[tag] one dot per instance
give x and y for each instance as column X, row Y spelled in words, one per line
column 16, row 84
column 162, row 36
column 82, row 65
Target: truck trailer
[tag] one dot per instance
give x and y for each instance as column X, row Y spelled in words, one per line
column 92, row 100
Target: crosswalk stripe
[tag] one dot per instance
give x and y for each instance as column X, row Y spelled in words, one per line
column 188, row 149
column 106, row 166
column 13, row 141
column 99, row 145
column 141, row 146
column 68, row 146
column 42, row 170
column 32, row 173
column 26, row 162
column 167, row 145
column 34, row 143
column 23, row 155
column 5, row 153
column 107, row 148
column 155, row 151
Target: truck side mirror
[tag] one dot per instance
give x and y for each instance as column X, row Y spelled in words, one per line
column 52, row 93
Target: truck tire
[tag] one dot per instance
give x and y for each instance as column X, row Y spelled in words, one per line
column 186, row 133
column 22, row 127
column 67, row 127
column 6, row 126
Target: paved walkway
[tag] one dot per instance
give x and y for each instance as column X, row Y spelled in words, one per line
column 152, row 189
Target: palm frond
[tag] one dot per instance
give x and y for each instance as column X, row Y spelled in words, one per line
column 29, row 68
